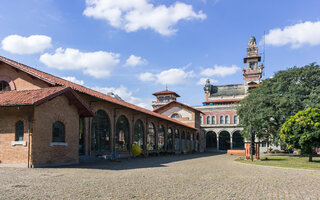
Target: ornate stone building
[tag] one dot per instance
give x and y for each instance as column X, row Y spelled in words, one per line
column 220, row 121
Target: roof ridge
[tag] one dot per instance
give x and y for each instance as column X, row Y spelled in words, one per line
column 48, row 88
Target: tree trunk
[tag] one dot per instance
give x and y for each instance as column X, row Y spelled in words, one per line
column 310, row 157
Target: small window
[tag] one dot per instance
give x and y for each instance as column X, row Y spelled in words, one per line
column 213, row 119
column 161, row 99
column 227, row 119
column 175, row 115
column 167, row 98
column 19, row 131
column 58, row 130
column 221, row 120
column 235, row 119
column 4, row 86
column 208, row 119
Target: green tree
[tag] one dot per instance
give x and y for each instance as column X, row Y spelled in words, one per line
column 268, row 106
column 302, row 131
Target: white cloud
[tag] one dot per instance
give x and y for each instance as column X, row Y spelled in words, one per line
column 98, row 64
column 202, row 81
column 132, row 15
column 135, row 60
column 172, row 76
column 126, row 95
column 74, row 80
column 147, row 76
column 220, row 71
column 26, row 45
column 296, row 35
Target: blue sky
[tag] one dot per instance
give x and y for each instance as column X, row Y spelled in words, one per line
column 135, row 47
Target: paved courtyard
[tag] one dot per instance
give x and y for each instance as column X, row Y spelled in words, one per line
column 197, row 176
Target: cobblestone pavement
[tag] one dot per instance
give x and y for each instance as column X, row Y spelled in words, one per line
column 196, row 176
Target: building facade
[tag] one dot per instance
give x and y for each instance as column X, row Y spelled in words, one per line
column 46, row 120
column 220, row 122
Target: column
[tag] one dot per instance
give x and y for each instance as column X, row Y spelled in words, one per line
column 231, row 142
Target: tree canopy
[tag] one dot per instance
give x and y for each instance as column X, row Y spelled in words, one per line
column 302, row 131
column 268, row 106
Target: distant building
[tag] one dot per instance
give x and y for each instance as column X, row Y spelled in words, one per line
column 220, row 121
column 167, row 105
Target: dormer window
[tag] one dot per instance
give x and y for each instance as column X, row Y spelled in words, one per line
column 167, row 98
column 161, row 99
column 175, row 115
column 4, row 86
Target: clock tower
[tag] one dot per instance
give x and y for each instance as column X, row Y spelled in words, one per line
column 252, row 73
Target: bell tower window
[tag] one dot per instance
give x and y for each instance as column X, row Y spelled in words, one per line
column 4, row 86
column 251, row 65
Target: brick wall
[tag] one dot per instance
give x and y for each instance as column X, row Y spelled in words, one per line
column 22, row 81
column 9, row 116
column 58, row 109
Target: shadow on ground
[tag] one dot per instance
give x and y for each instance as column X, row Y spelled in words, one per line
column 136, row 163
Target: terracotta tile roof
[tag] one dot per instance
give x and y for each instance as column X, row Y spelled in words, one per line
column 39, row 96
column 165, row 92
column 56, row 81
column 176, row 102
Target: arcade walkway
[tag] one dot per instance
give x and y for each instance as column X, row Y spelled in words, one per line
column 197, row 176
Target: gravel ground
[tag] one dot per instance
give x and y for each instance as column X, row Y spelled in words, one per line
column 196, row 176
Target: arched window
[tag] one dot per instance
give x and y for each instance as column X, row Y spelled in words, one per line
column 214, row 119
column 183, row 141
column 100, row 132
column 138, row 133
column 175, row 115
column 161, row 136
column 19, row 131
column 122, row 134
column 177, row 140
column 227, row 121
column 58, row 132
column 151, row 137
column 170, row 139
column 221, row 120
column 4, row 86
column 235, row 119
column 188, row 142
column 192, row 141
column 208, row 119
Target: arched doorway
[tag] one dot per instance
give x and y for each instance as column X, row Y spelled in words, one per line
column 183, row 141
column 161, row 136
column 100, row 132
column 177, row 140
column 170, row 139
column 138, row 133
column 122, row 134
column 151, row 137
column 237, row 140
column 211, row 141
column 224, row 140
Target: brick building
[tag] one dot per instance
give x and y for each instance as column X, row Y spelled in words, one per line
column 220, row 121
column 46, row 120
